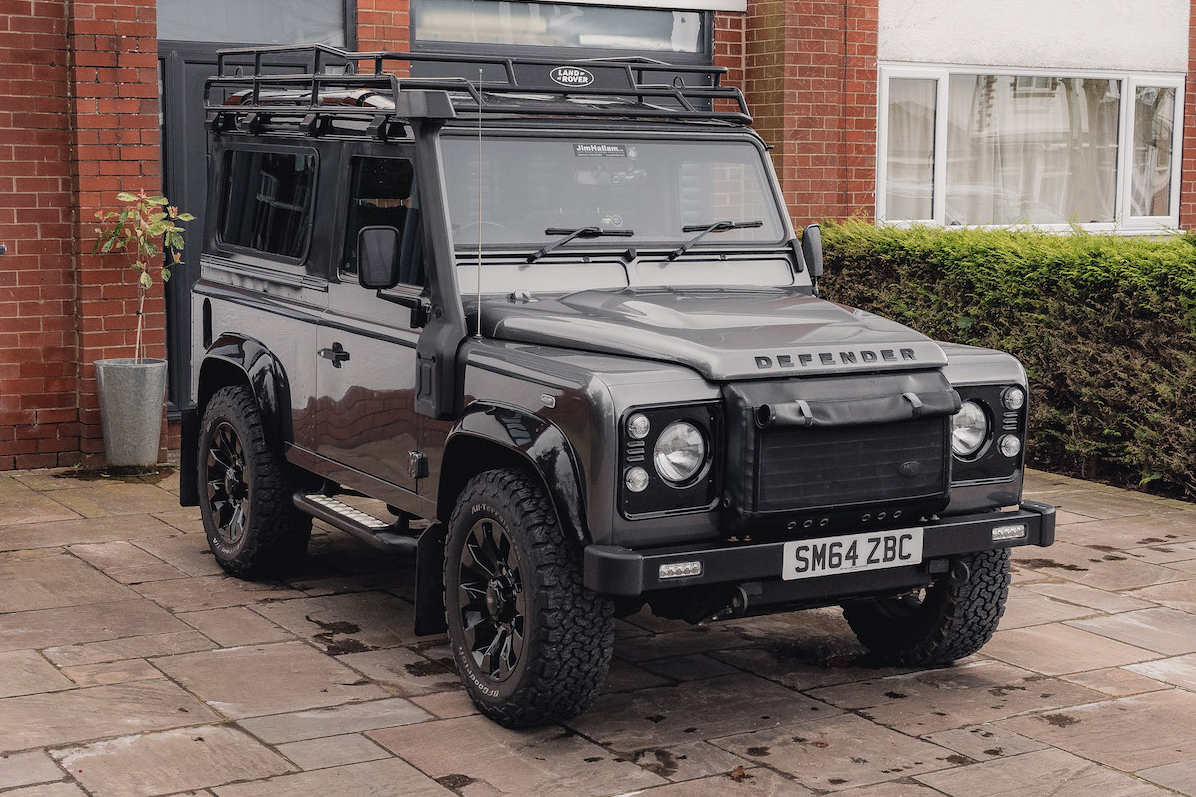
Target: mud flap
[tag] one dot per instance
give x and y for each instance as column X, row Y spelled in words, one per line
column 188, row 458
column 429, row 582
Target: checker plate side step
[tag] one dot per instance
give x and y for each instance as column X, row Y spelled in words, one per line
column 376, row 533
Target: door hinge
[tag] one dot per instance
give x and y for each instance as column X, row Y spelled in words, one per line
column 417, row 465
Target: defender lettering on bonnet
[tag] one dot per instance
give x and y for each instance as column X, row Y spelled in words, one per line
column 857, row 357
column 571, row 76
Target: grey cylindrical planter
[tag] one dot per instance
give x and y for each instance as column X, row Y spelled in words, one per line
column 131, row 396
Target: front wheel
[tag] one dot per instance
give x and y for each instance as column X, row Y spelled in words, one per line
column 532, row 643
column 945, row 622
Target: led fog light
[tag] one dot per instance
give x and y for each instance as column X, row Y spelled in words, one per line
column 1015, row 531
column 681, row 570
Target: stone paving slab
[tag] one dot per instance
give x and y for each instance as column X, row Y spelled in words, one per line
column 267, row 679
column 169, row 762
column 122, row 644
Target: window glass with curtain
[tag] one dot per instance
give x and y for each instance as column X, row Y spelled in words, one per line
column 910, row 158
column 964, row 147
column 1154, row 114
column 1031, row 150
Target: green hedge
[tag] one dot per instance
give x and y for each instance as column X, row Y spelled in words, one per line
column 1105, row 325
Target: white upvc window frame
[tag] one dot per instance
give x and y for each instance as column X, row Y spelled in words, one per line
column 1129, row 82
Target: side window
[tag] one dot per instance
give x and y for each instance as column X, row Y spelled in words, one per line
column 383, row 194
column 268, row 201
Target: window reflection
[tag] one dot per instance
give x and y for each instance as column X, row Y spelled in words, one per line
column 556, row 25
column 1154, row 115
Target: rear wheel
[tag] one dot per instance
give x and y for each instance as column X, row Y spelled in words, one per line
column 531, row 642
column 246, row 504
column 945, row 622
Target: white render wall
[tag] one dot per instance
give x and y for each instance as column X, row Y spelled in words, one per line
column 1123, row 35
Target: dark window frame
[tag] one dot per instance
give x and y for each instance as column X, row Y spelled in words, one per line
column 298, row 261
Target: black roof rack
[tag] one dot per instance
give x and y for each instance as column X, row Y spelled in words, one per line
column 246, row 95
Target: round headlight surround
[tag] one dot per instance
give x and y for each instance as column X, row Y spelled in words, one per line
column 681, row 453
column 969, row 430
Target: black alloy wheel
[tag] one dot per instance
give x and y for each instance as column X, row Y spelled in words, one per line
column 492, row 600
column 228, row 484
column 532, row 643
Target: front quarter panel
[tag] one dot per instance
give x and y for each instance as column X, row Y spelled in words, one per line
column 971, row 365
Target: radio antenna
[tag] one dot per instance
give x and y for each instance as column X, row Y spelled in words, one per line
column 478, row 334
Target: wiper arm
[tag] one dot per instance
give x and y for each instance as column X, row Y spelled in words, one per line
column 703, row 230
column 580, row 232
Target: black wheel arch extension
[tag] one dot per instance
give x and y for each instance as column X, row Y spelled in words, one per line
column 235, row 359
column 492, row 436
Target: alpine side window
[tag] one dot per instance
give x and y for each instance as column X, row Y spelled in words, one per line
column 383, row 194
column 268, row 201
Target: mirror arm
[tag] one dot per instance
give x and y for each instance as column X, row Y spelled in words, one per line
column 421, row 311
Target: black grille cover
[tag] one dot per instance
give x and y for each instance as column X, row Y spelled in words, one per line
column 841, row 448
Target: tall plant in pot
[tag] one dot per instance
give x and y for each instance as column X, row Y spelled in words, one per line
column 131, row 390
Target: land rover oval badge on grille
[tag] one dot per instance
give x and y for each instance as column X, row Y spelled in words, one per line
column 571, row 76
column 911, row 468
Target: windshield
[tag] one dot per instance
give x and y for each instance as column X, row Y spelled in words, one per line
column 652, row 187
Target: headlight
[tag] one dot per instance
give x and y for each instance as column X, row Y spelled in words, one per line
column 680, row 452
column 969, row 429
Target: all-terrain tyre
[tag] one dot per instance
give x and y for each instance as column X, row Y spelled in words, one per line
column 531, row 642
column 245, row 493
column 951, row 619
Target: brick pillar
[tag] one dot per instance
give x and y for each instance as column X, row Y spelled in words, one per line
column 38, row 373
column 383, row 25
column 1187, row 185
column 810, row 79
column 114, row 82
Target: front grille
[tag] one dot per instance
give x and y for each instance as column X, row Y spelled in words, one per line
column 800, row 468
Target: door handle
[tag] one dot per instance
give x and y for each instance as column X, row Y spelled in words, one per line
column 337, row 354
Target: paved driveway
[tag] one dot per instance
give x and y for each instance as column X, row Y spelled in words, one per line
column 129, row 665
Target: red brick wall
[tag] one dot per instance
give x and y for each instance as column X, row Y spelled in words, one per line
column 383, row 25
column 1187, row 185
column 809, row 74
column 115, row 118
column 38, row 415
column 78, row 122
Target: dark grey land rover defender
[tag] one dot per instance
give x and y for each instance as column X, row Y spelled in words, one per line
column 560, row 315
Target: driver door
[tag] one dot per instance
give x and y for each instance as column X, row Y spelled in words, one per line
column 366, row 371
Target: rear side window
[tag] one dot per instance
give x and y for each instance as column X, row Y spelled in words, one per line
column 268, row 201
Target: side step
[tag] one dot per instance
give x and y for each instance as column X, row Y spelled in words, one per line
column 369, row 529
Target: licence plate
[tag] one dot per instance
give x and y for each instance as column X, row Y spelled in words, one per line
column 851, row 553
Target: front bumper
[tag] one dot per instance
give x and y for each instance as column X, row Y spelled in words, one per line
column 616, row 571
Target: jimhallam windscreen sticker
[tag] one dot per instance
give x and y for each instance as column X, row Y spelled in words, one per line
column 600, row 150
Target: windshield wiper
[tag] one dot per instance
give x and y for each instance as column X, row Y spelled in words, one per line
column 570, row 234
column 703, row 230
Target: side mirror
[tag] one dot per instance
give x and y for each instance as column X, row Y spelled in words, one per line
column 811, row 249
column 378, row 257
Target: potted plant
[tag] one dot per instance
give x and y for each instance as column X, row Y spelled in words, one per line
column 131, row 389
